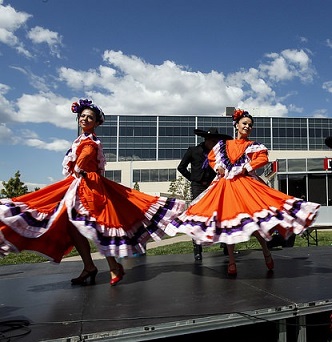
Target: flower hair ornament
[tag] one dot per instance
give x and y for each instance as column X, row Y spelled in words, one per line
column 238, row 114
column 78, row 107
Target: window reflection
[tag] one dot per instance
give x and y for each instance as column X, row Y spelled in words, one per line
column 114, row 175
column 154, row 175
column 296, row 165
column 317, row 188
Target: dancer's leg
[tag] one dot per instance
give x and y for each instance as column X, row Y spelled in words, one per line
column 231, row 270
column 116, row 270
column 82, row 246
column 266, row 252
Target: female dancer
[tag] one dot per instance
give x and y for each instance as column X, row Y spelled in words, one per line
column 238, row 203
column 119, row 220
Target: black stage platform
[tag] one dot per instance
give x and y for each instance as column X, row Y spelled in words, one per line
column 173, row 298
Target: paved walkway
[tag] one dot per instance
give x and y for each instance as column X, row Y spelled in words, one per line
column 150, row 245
column 168, row 241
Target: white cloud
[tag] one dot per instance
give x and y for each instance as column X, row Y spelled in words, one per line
column 4, row 88
column 251, row 84
column 7, row 136
column 56, row 145
column 33, row 186
column 327, row 86
column 320, row 113
column 11, row 20
column 329, row 43
column 46, row 107
column 37, row 82
column 8, row 38
column 78, row 79
column 39, row 35
column 30, row 138
column 303, row 39
column 287, row 65
column 6, row 107
column 129, row 85
column 295, row 109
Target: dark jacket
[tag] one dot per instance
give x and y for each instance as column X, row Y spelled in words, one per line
column 196, row 156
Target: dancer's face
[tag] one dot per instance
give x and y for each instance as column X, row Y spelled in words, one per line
column 244, row 127
column 87, row 121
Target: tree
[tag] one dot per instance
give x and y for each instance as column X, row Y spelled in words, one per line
column 180, row 188
column 14, row 187
column 136, row 186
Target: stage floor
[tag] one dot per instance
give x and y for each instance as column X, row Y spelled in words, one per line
column 168, row 297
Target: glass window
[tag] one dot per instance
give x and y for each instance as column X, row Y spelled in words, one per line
column 154, row 176
column 282, row 183
column 317, row 188
column 281, row 165
column 329, row 187
column 297, row 186
column 172, row 175
column 262, row 131
column 319, row 128
column 110, row 155
column 172, row 135
column 136, row 176
column 289, row 133
column 316, row 164
column 163, row 176
column 145, row 175
column 222, row 123
column 114, row 175
column 296, row 165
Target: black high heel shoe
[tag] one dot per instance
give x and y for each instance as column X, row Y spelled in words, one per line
column 84, row 276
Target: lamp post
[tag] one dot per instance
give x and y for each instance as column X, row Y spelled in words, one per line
column 131, row 174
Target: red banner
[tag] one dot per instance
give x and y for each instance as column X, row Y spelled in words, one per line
column 328, row 164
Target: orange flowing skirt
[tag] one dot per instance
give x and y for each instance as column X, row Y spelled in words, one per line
column 230, row 210
column 118, row 219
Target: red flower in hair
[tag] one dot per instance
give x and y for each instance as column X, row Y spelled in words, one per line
column 74, row 107
column 237, row 115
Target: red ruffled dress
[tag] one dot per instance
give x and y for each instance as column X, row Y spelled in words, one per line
column 236, row 205
column 118, row 219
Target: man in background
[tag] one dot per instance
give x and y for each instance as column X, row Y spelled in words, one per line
column 200, row 174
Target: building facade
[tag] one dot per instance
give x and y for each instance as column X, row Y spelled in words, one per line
column 146, row 149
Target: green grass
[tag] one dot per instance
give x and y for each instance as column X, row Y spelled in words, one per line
column 324, row 239
column 28, row 258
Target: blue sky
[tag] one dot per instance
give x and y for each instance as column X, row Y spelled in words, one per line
column 152, row 57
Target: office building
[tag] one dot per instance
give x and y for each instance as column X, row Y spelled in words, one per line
column 146, row 149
